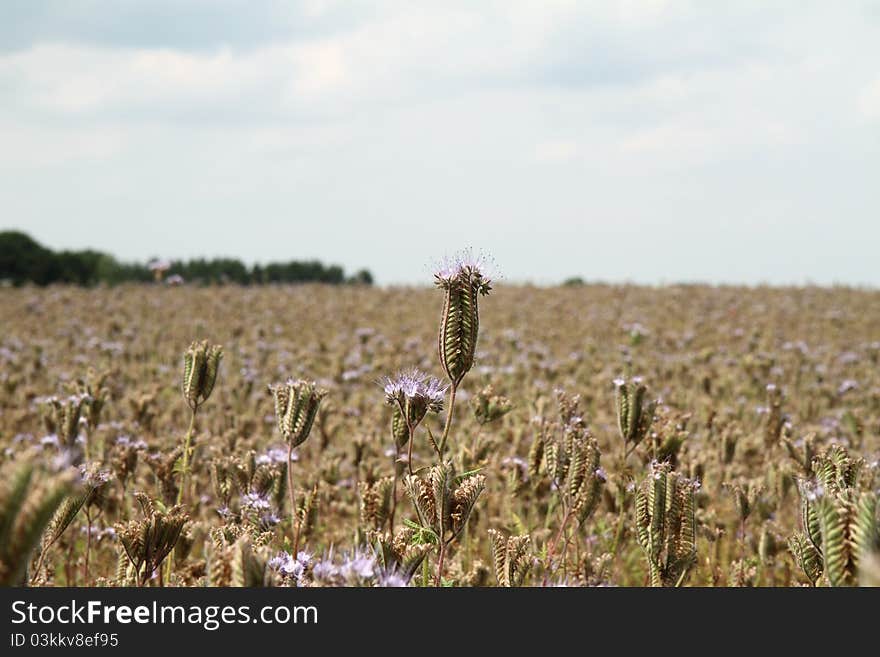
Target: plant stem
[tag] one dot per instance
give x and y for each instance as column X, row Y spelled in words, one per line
column 186, row 447
column 411, row 430
column 294, row 523
column 621, row 521
column 446, row 427
column 39, row 564
column 88, row 546
column 184, row 471
column 394, row 487
column 562, row 527
column 440, row 562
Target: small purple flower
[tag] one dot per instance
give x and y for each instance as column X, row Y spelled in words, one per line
column 391, row 579
column 416, row 388
column 325, row 570
column 464, row 263
column 284, row 563
column 93, row 476
column 273, row 455
column 255, row 501
column 358, row 566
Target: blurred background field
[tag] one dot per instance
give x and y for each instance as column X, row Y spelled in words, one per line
column 748, row 381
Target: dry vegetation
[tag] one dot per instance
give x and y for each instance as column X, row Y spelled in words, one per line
column 756, row 466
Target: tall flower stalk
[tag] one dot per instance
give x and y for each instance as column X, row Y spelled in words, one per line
column 464, row 280
column 201, row 363
column 296, row 405
column 444, row 500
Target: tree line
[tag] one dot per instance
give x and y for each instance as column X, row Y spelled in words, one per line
column 24, row 260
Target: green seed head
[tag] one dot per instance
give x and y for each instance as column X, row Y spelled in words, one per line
column 296, row 405
column 200, row 365
column 464, row 281
column 665, row 524
column 399, row 428
column 634, row 413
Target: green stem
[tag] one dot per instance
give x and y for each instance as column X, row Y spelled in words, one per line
column 440, row 563
column 552, row 549
column 621, row 521
column 409, row 447
column 184, row 471
column 88, row 547
column 446, row 427
column 394, row 487
column 186, row 448
column 294, row 522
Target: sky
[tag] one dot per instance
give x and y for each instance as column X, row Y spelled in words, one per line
column 652, row 141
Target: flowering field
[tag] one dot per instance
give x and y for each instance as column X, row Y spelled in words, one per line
column 598, row 435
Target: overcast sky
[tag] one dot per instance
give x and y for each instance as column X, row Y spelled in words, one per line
column 646, row 141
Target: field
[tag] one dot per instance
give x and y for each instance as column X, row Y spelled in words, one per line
column 758, row 465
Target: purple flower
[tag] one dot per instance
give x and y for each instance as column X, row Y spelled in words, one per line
column 416, row 388
column 284, row 563
column 391, row 579
column 325, row 570
column 254, row 501
column 273, row 455
column 93, row 476
column 358, row 566
column 466, row 264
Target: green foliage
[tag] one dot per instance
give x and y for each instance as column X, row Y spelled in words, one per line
column 23, row 260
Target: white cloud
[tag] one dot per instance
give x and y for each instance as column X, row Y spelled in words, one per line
column 603, row 119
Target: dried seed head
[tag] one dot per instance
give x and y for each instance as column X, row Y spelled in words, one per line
column 464, row 279
column 488, row 406
column 634, row 414
column 666, row 525
column 64, row 416
column 200, row 364
column 512, row 558
column 147, row 542
column 296, row 405
column 444, row 502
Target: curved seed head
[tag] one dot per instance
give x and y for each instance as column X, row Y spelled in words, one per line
column 200, row 365
column 296, row 405
column 464, row 279
column 634, row 413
